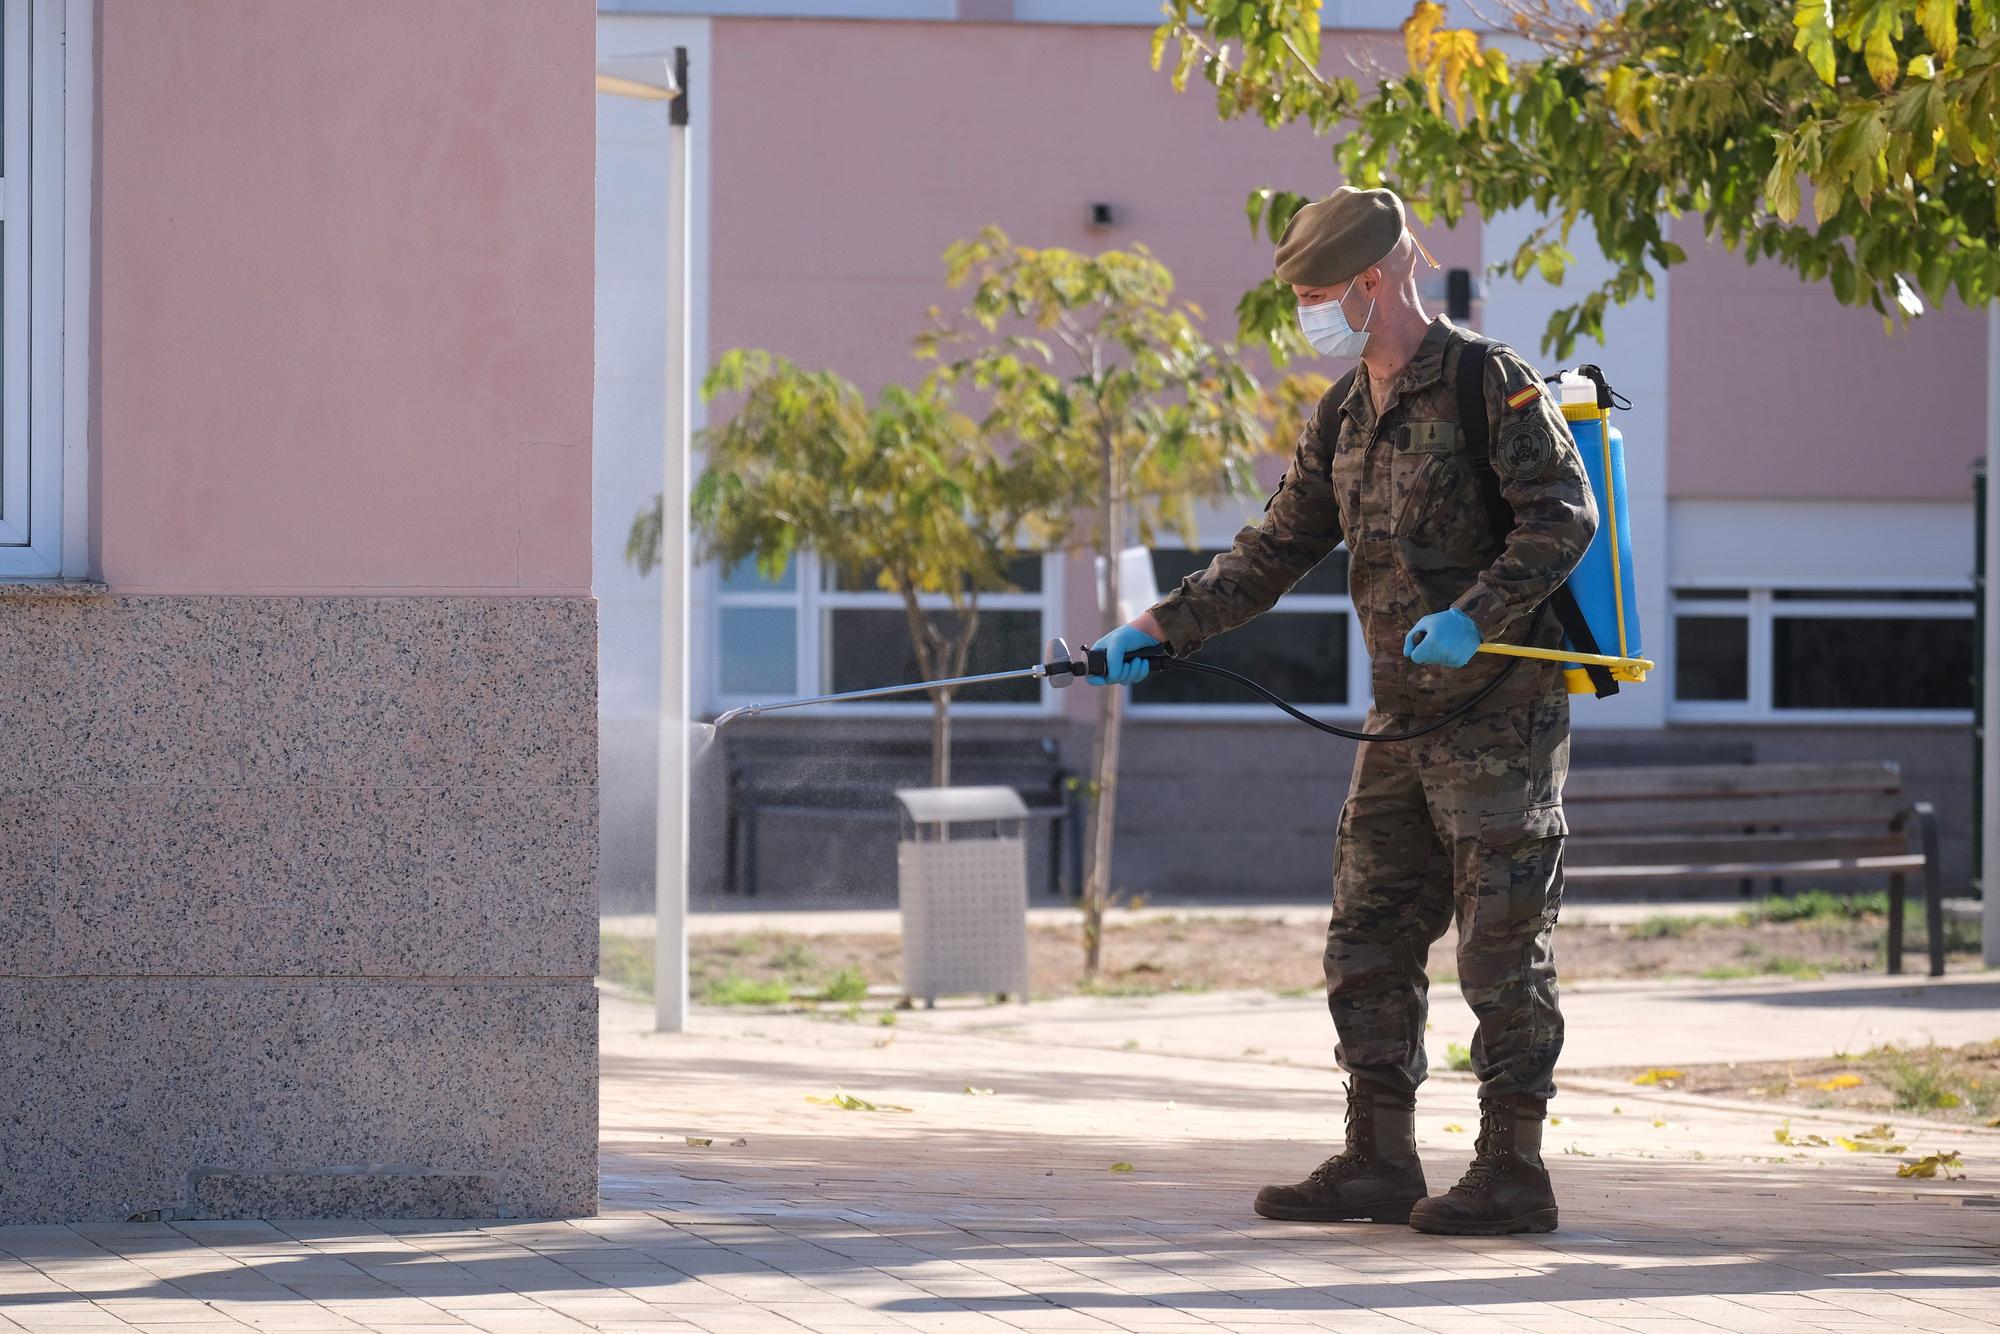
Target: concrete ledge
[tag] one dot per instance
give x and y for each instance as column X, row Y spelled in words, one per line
column 367, row 1191
column 118, row 1089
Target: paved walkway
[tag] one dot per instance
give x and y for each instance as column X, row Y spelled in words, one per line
column 1006, row 1210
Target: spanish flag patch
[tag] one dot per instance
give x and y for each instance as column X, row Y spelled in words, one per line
column 1522, row 397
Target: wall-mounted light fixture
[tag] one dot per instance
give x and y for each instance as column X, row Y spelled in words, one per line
column 1102, row 217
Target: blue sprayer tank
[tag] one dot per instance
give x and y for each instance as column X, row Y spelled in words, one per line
column 1602, row 580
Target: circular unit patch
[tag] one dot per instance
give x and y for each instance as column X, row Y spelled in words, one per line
column 1526, row 451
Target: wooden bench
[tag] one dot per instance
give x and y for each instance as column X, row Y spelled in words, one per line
column 1732, row 821
column 854, row 780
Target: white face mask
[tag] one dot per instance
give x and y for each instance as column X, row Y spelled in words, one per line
column 1326, row 328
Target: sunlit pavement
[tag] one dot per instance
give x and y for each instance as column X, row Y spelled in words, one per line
column 999, row 1200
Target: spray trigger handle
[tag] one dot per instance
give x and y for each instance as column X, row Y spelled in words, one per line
column 1096, row 663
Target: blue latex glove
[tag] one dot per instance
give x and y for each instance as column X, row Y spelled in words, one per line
column 1116, row 645
column 1445, row 638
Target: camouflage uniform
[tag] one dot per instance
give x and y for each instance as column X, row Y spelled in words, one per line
column 1467, row 820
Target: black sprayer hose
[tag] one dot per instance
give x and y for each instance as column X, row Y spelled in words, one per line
column 1210, row 669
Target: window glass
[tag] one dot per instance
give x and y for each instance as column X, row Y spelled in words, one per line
column 759, row 650
column 1300, row 655
column 1172, row 564
column 1861, row 663
column 869, row 646
column 744, row 577
column 1711, row 658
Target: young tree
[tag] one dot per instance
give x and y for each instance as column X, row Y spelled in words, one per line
column 1886, row 111
column 1108, row 391
column 905, row 488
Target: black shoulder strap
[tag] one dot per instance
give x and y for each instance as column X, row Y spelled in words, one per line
column 1470, row 386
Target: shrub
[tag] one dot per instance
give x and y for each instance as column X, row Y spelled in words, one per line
column 1816, row 905
column 846, row 985
column 734, row 989
column 1919, row 1080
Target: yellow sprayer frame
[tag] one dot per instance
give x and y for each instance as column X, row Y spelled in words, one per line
column 1622, row 666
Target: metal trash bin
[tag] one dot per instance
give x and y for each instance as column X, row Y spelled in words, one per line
column 962, row 883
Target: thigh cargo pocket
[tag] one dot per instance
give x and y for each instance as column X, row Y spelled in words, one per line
column 1520, row 848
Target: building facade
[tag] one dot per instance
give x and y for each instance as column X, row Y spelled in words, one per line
column 1800, row 482
column 297, row 721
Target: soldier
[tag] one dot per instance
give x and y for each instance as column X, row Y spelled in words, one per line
column 1465, row 821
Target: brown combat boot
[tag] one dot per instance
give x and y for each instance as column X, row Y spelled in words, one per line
column 1506, row 1189
column 1374, row 1180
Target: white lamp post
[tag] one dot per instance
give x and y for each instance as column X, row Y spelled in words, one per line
column 663, row 77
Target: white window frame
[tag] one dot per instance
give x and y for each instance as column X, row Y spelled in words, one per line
column 1763, row 607
column 44, row 208
column 812, row 604
column 1360, row 681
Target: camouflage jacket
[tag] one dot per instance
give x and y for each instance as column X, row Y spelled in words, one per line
column 1403, row 490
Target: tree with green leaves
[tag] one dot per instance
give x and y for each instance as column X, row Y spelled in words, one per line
column 905, row 489
column 1105, row 386
column 1885, row 114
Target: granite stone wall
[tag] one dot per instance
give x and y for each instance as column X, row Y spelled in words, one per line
column 297, row 906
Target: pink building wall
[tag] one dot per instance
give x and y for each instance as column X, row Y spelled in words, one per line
column 1782, row 393
column 265, row 420
column 849, row 155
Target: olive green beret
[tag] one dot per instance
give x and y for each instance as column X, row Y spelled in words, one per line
column 1332, row 239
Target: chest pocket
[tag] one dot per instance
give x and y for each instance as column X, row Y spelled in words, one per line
column 1431, row 481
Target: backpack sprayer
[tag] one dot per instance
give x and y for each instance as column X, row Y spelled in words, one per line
column 1595, row 605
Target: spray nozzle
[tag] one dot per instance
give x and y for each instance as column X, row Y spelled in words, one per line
column 1061, row 669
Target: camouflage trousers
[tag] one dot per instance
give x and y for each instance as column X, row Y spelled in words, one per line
column 1464, row 823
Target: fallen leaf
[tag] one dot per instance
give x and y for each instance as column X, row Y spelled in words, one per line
column 1555, row 1120
column 1783, row 1134
column 1993, row 1124
column 978, row 1092
column 847, row 1102
column 1840, row 1082
column 1932, row 1165
column 1453, row 1128
column 1658, row 1075
column 1864, row 1144
column 695, row 1142
column 1131, row 1044
column 1575, row 1152
column 1123, row 1167
column 1659, row 1121
column 739, row 1143
column 1617, row 1110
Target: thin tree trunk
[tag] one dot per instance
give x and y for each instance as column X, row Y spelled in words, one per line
column 940, row 738
column 932, row 659
column 1110, row 714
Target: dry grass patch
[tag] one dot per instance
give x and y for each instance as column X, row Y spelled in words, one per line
column 1801, row 937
